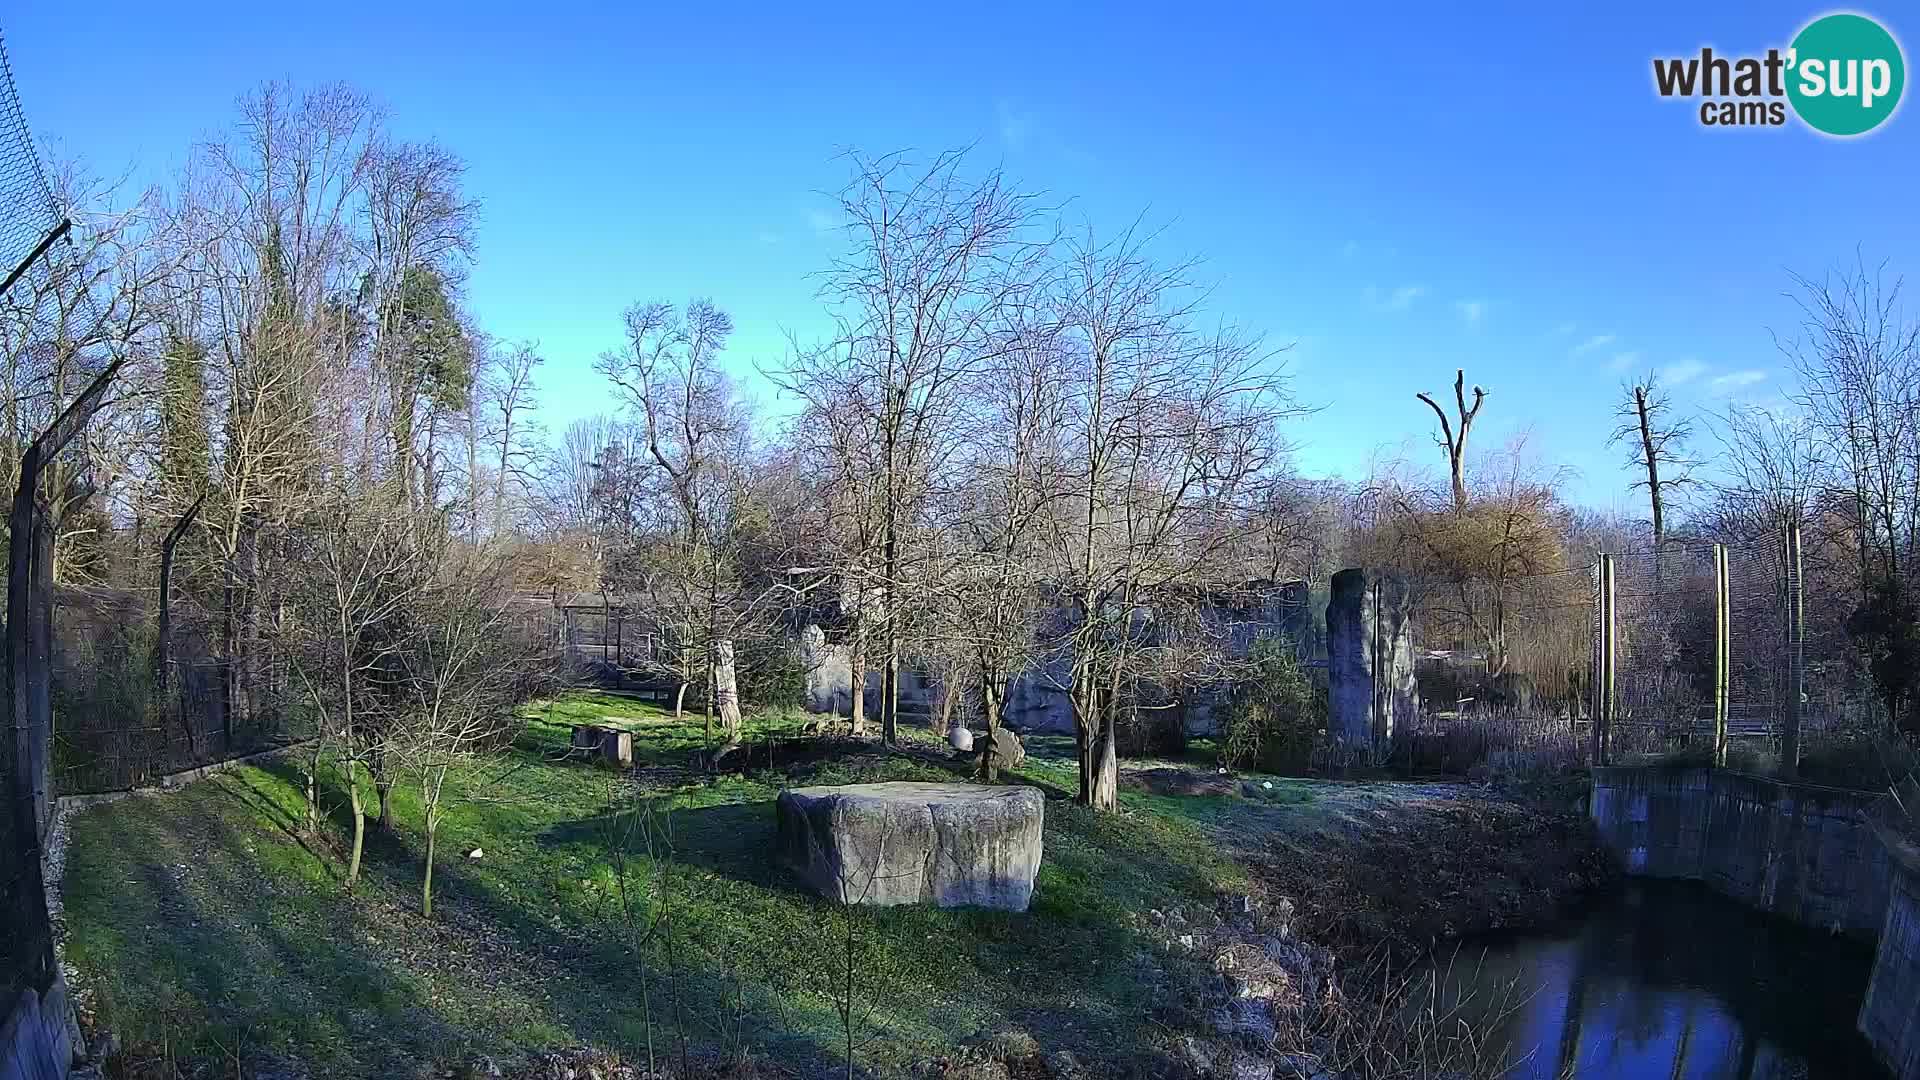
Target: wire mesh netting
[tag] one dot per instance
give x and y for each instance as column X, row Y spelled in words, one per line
column 1670, row 610
column 1664, row 635
column 29, row 214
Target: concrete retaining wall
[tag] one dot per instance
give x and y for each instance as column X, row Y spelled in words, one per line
column 1801, row 852
column 1806, row 853
column 35, row 1041
column 1890, row 1014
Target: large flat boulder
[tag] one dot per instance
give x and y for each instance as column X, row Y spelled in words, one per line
column 954, row 845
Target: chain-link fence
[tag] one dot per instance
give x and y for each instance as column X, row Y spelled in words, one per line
column 1711, row 645
column 30, row 222
column 118, row 724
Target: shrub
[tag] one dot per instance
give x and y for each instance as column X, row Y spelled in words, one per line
column 772, row 676
column 1274, row 720
column 1155, row 728
column 1863, row 760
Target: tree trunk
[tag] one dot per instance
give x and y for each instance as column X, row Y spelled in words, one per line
column 359, row 823
column 230, row 650
column 250, row 632
column 992, row 697
column 725, row 693
column 1085, row 730
column 1106, row 777
column 426, row 876
column 1099, row 756
column 858, row 677
column 890, row 694
column 1650, row 455
column 680, row 699
column 313, row 791
column 163, row 626
column 383, row 788
column 949, row 696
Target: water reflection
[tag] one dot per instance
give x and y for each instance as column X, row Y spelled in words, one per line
column 1667, row 979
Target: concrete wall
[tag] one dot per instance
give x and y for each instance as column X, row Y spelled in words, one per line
column 1890, row 1015
column 1806, row 853
column 35, row 1041
column 1801, row 852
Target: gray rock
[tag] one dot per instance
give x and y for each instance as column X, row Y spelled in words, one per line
column 1062, row 1065
column 1297, row 1066
column 106, row 1045
column 954, row 845
column 1247, row 1018
column 1008, row 748
column 1250, row 1067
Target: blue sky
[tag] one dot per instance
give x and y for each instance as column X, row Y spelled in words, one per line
column 1398, row 191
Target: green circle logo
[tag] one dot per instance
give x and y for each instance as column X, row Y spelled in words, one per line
column 1845, row 74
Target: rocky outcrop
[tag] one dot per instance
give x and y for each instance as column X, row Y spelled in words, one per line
column 954, row 845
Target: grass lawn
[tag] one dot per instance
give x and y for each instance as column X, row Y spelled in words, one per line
column 202, row 925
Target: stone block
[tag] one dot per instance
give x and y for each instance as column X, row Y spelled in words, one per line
column 954, row 845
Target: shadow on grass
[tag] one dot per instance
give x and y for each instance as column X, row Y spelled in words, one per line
column 253, row 945
column 734, row 840
column 225, row 962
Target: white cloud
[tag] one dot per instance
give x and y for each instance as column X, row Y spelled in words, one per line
column 1471, row 310
column 1404, row 296
column 1597, row 341
column 1734, row 380
column 1683, row 372
column 1623, row 361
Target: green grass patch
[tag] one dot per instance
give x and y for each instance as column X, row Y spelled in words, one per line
column 203, row 921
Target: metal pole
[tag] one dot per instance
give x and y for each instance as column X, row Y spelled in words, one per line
column 39, row 249
column 1604, row 664
column 1796, row 657
column 1721, row 652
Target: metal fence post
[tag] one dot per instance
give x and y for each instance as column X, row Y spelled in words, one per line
column 1796, row 657
column 1604, row 658
column 1722, row 652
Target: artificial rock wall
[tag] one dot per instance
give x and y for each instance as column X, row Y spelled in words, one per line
column 1035, row 700
column 1806, row 853
column 1370, row 678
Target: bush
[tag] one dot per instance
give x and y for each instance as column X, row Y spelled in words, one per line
column 1274, row 720
column 772, row 677
column 1156, row 728
column 1864, row 761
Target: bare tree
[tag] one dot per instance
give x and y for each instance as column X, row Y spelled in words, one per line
column 1657, row 447
column 690, row 422
column 1454, row 444
column 462, row 674
column 935, row 259
column 1167, row 432
column 991, row 598
column 362, row 573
